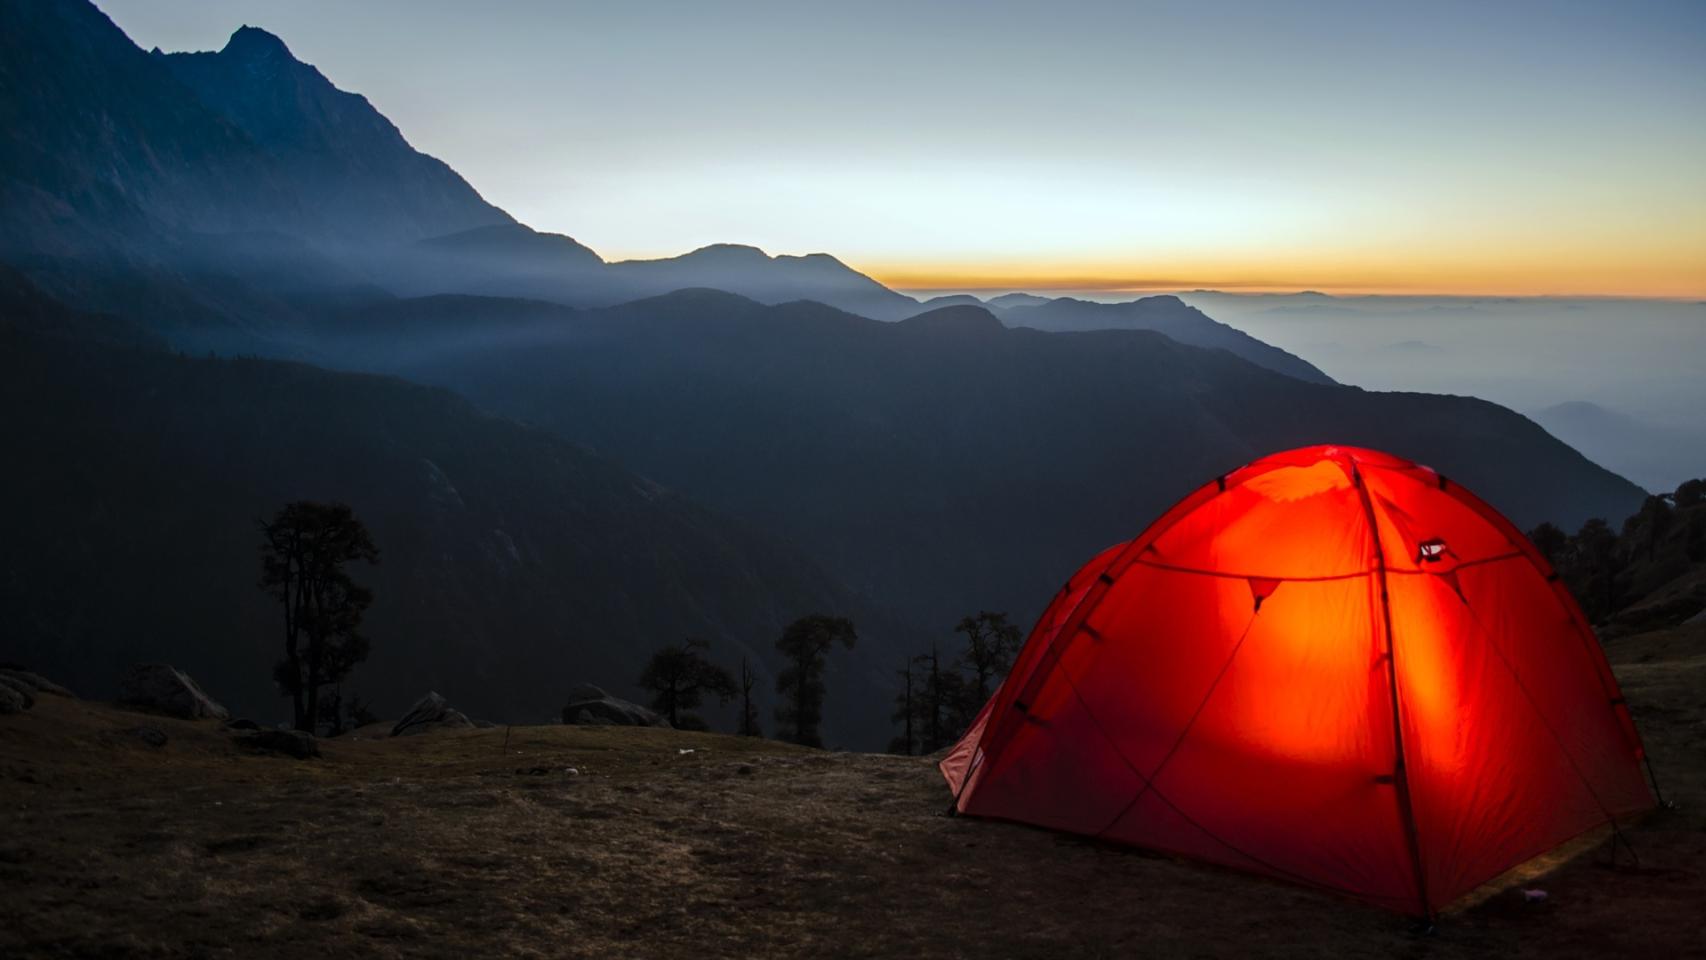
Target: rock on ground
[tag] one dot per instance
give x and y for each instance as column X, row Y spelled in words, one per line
column 162, row 688
column 290, row 743
column 11, row 701
column 35, row 681
column 19, row 690
column 591, row 705
column 432, row 712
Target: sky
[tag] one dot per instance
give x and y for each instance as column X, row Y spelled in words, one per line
column 1554, row 148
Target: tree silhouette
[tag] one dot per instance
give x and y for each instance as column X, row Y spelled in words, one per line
column 305, row 548
column 904, row 711
column 1650, row 525
column 1601, row 560
column 1551, row 542
column 679, row 676
column 749, row 723
column 991, row 644
column 805, row 643
column 1689, row 493
column 940, row 701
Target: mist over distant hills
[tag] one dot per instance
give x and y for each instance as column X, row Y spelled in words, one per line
column 635, row 452
column 1638, row 358
column 945, row 462
column 513, row 565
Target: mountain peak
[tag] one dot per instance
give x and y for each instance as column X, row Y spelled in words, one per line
column 728, row 251
column 1163, row 300
column 253, row 43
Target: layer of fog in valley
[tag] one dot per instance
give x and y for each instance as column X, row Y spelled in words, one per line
column 1620, row 380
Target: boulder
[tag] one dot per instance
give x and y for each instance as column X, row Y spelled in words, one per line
column 161, row 688
column 589, row 705
column 11, row 701
column 432, row 712
column 20, row 689
column 240, row 723
column 35, row 681
column 289, row 743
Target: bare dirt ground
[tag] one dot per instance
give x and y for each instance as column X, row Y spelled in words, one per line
column 452, row 845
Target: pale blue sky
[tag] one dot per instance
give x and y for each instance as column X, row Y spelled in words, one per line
column 1529, row 147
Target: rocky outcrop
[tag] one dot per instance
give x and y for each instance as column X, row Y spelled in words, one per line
column 288, row 743
column 11, row 701
column 161, row 688
column 17, row 690
column 35, row 681
column 431, row 713
column 590, row 705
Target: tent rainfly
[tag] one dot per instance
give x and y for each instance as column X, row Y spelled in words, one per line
column 1332, row 666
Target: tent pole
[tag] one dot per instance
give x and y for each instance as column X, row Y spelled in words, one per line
column 1653, row 779
column 1400, row 772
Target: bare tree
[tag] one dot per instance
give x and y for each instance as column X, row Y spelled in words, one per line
column 749, row 723
column 904, row 711
column 991, row 644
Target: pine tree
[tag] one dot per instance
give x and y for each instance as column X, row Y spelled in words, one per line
column 806, row 643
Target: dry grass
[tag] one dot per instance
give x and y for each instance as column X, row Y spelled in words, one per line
column 451, row 846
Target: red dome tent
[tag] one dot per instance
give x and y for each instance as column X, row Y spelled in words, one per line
column 1331, row 666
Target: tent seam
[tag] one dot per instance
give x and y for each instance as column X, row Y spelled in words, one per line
column 1401, row 773
column 1149, row 781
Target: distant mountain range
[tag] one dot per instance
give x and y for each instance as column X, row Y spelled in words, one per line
column 945, row 462
column 205, row 158
column 1653, row 455
column 514, row 565
column 704, row 445
column 1162, row 314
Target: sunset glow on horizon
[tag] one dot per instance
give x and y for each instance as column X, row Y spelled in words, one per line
column 1544, row 149
column 1561, row 278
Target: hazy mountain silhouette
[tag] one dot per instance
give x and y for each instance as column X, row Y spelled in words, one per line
column 752, row 273
column 1163, row 314
column 357, row 176
column 1008, row 301
column 103, row 147
column 950, row 300
column 946, row 462
column 125, row 170
column 514, row 565
column 1644, row 452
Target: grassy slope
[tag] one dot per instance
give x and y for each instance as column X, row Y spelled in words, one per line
column 451, row 846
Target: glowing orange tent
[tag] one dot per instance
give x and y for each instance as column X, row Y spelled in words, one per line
column 1331, row 666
